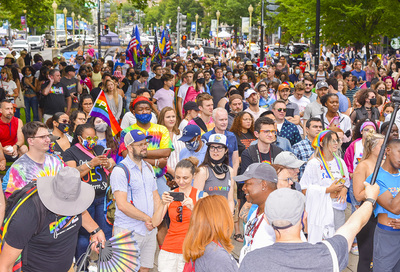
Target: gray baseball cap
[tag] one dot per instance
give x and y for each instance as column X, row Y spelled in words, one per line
column 284, row 208
column 321, row 84
column 288, row 159
column 262, row 171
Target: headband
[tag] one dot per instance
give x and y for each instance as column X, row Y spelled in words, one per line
column 140, row 99
column 368, row 123
column 318, row 139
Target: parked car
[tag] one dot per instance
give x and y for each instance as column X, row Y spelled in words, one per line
column 36, row 42
column 19, row 45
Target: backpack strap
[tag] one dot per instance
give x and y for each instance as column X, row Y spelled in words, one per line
column 126, row 171
column 253, row 153
column 333, row 255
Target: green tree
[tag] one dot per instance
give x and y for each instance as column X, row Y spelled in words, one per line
column 112, row 21
column 342, row 21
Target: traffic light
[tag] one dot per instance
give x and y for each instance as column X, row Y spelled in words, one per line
column 105, row 29
column 184, row 40
column 106, row 10
column 182, row 22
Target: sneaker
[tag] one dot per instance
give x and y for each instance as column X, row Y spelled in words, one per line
column 354, row 250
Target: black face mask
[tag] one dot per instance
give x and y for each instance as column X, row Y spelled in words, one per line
column 132, row 74
column 381, row 92
column 83, row 77
column 372, row 101
column 218, row 161
column 201, row 80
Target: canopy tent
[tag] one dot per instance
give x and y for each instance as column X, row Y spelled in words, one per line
column 111, row 39
column 224, row 34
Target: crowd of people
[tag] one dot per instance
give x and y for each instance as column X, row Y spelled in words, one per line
column 212, row 149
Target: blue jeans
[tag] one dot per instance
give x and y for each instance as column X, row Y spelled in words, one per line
column 96, row 211
column 31, row 103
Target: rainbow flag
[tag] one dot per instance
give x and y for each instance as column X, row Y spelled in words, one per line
column 102, row 110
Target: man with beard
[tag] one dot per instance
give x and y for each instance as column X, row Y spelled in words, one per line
column 236, row 106
column 137, row 198
column 309, row 84
column 11, row 137
column 160, row 145
column 253, row 98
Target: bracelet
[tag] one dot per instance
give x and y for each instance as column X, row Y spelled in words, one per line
column 371, row 200
column 95, row 231
column 109, row 165
column 88, row 165
column 156, row 163
column 17, row 146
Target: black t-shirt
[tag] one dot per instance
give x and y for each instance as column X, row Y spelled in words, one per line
column 97, row 176
column 244, row 141
column 55, row 100
column 155, row 84
column 51, row 248
column 95, row 92
column 249, row 156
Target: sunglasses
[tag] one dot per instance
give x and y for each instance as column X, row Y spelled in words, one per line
column 179, row 210
column 272, row 131
column 89, row 138
column 308, row 84
column 281, row 110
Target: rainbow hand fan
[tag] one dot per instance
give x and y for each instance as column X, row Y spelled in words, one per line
column 120, row 254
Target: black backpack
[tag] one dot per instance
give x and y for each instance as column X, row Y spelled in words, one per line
column 14, row 202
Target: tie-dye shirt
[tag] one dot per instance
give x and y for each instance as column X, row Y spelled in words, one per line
column 160, row 140
column 25, row 170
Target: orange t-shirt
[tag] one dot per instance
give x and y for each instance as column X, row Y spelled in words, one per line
column 177, row 230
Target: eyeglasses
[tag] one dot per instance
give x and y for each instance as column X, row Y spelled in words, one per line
column 179, row 210
column 262, row 91
column 272, row 131
column 42, row 137
column 218, row 148
column 308, row 84
column 281, row 110
column 145, row 144
column 288, row 180
column 250, row 227
column 82, row 119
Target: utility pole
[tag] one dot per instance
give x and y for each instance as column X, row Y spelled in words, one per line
column 262, row 33
column 178, row 31
column 317, row 34
column 98, row 29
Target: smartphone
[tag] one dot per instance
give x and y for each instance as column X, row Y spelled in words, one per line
column 106, row 151
column 177, row 196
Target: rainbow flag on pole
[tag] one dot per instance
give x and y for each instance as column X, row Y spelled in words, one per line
column 102, row 110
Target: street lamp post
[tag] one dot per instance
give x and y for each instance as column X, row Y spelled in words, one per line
column 65, row 24
column 54, row 6
column 218, row 14
column 178, row 30
column 79, row 23
column 156, row 27
column 170, row 22
column 163, row 24
column 73, row 24
column 250, row 11
column 197, row 19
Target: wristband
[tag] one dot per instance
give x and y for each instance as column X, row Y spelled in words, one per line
column 371, row 200
column 156, row 163
column 17, row 146
column 95, row 231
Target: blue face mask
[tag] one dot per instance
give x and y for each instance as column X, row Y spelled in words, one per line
column 193, row 145
column 143, row 118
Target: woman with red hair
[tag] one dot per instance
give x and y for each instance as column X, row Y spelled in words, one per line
column 207, row 245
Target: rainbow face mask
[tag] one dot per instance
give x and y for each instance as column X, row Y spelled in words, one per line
column 89, row 142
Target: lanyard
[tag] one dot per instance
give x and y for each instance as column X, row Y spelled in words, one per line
column 259, row 154
column 256, row 227
column 338, row 162
column 84, row 150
